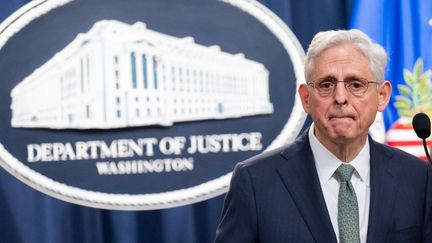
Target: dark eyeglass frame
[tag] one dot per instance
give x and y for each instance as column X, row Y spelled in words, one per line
column 350, row 83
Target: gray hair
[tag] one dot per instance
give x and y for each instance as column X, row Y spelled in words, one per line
column 374, row 52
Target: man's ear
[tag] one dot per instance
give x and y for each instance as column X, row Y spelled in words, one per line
column 384, row 93
column 304, row 97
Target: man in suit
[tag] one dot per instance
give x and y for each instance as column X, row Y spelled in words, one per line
column 334, row 183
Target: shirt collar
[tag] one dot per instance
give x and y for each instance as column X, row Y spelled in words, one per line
column 327, row 163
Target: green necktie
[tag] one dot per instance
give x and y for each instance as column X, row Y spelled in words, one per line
column 348, row 213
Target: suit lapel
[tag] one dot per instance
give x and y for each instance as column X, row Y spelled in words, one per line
column 383, row 193
column 300, row 177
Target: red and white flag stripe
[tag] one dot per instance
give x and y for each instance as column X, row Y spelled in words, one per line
column 403, row 137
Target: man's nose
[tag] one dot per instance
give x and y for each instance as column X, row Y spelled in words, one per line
column 340, row 93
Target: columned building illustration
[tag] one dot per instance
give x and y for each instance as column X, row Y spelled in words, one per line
column 120, row 75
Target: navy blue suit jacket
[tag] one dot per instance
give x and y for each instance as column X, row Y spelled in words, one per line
column 276, row 197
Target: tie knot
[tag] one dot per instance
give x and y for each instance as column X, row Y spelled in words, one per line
column 344, row 172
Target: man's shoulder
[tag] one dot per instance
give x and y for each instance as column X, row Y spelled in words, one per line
column 399, row 157
column 273, row 158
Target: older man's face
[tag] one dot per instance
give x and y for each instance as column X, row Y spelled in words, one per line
column 342, row 117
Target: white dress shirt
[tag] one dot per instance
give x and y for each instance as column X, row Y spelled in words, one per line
column 326, row 164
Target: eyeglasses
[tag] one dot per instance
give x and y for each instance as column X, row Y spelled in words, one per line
column 326, row 86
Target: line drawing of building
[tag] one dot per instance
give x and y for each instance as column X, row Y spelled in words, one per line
column 120, row 75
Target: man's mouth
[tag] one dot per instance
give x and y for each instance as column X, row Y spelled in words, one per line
column 342, row 117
